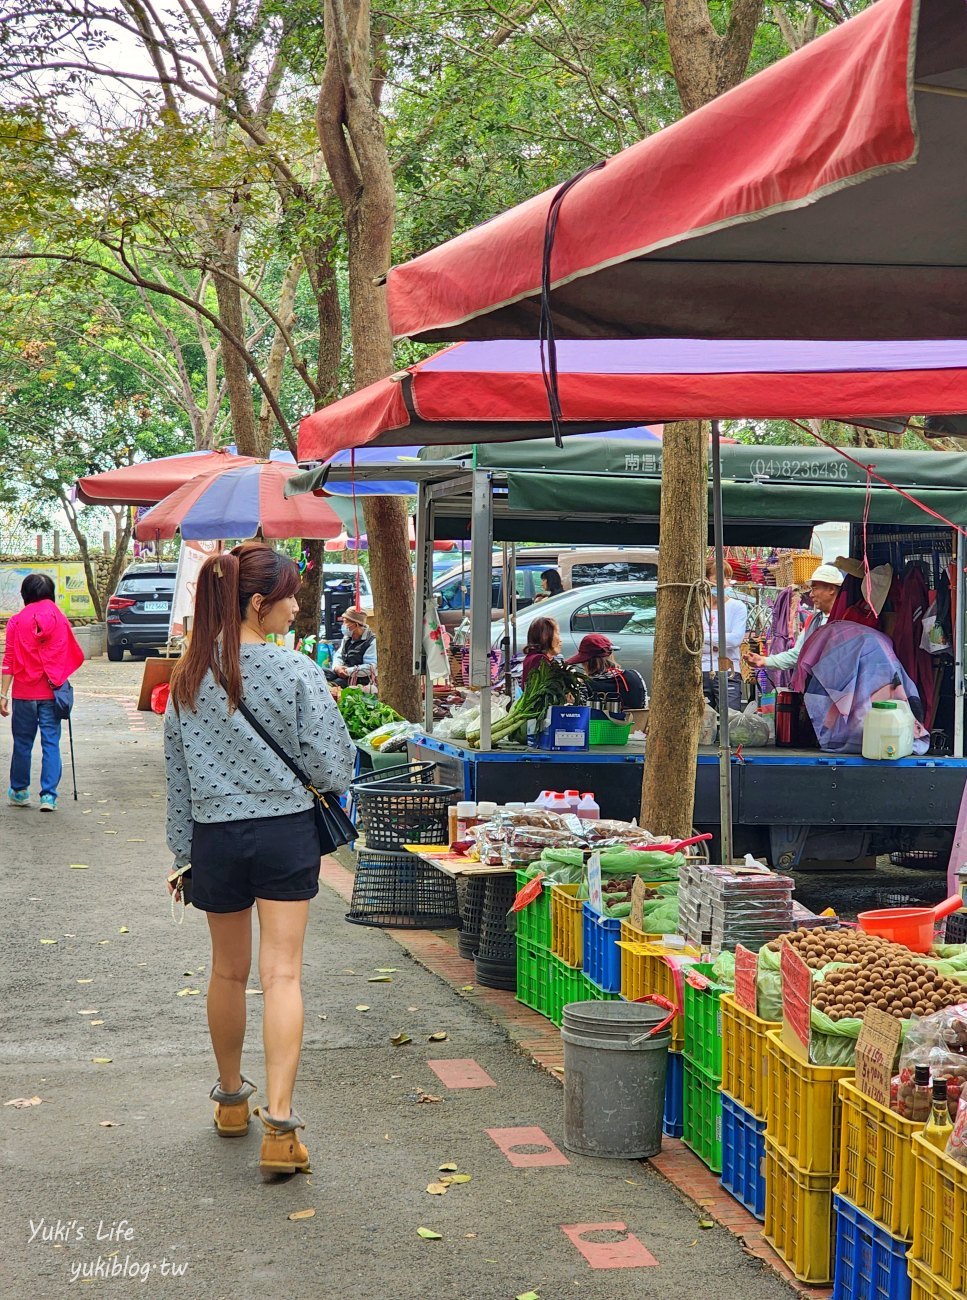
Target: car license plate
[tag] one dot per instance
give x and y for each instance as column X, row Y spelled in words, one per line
column 156, row 607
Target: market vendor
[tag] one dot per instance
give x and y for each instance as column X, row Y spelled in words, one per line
column 823, row 589
column 606, row 678
column 356, row 655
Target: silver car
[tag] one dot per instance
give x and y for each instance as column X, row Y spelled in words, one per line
column 624, row 612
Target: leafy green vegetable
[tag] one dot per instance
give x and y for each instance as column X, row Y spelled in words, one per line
column 551, row 682
column 362, row 713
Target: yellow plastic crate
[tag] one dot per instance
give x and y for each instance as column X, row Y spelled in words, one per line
column 940, row 1222
column 803, row 1109
column 876, row 1169
column 567, row 925
column 799, row 1216
column 646, row 969
column 925, row 1286
column 744, row 1055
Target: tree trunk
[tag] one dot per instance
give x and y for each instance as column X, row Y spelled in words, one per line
column 241, row 403
column 668, row 790
column 351, row 136
column 309, row 617
column 705, row 62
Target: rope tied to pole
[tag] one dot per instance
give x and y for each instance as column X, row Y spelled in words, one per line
column 699, row 590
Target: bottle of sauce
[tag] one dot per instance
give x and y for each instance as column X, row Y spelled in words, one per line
column 939, row 1126
column 921, row 1098
column 588, row 807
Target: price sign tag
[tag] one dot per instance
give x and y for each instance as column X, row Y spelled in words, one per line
column 746, row 969
column 876, row 1050
column 594, row 883
column 797, row 997
column 637, row 916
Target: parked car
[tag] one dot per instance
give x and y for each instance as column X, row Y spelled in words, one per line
column 139, row 612
column 339, row 592
column 623, row 611
column 579, row 566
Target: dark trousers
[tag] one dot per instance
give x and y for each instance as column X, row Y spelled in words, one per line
column 710, row 688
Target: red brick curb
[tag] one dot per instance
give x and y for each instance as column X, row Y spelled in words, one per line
column 533, row 1034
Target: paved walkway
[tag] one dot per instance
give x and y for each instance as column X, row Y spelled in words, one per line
column 117, row 1182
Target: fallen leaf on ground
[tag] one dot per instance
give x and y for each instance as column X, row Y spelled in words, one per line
column 362, row 1007
column 88, row 980
column 437, row 1038
column 186, row 993
column 70, row 936
column 400, row 1039
column 448, row 1169
column 323, row 1017
column 88, row 1011
column 96, row 1022
column 21, row 1103
column 379, row 979
column 528, row 1295
column 429, row 1235
column 48, row 941
column 135, row 841
column 396, row 1076
column 422, row 1096
column 106, row 1123
column 302, row 1214
column 32, row 898
column 437, row 1189
column 706, row 1223
column 101, row 1060
column 386, row 970
column 124, row 930
column 102, row 942
column 188, row 974
column 470, row 1236
column 110, row 832
column 347, row 971
column 631, row 1182
column 78, row 866
column 466, row 988
column 458, row 1178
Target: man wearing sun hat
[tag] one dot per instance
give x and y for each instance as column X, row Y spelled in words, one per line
column 824, row 587
column 356, row 652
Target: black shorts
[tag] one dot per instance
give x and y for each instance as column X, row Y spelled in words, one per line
column 234, row 863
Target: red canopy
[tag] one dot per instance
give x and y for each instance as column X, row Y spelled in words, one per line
column 494, row 391
column 745, row 219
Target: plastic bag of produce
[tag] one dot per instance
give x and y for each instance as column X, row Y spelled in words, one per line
column 723, row 969
column 749, row 728
column 710, row 726
column 957, row 1142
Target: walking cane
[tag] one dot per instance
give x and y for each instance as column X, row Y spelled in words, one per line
column 70, row 737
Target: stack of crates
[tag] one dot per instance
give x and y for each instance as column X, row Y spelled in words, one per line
column 938, row 1257
column 874, row 1200
column 703, row 1066
column 534, row 950
column 803, row 1122
column 565, row 980
column 744, row 1104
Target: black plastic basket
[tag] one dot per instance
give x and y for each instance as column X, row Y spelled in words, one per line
column 471, row 917
column 956, row 929
column 919, row 859
column 497, row 942
column 401, row 891
column 396, row 810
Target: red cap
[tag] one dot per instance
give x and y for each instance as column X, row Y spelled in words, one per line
column 593, row 646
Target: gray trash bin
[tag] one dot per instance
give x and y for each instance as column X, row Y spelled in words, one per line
column 614, row 1078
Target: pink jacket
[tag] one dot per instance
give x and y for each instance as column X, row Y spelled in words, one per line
column 41, row 649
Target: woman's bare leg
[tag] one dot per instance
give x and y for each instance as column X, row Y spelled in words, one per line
column 231, row 934
column 282, row 928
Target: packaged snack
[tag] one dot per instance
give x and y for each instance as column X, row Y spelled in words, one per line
column 957, row 1142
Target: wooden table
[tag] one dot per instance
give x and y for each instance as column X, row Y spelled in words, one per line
column 455, row 864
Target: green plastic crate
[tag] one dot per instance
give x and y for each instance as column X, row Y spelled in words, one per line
column 532, row 976
column 534, row 920
column 703, row 1116
column 703, row 1024
column 564, row 985
column 602, row 731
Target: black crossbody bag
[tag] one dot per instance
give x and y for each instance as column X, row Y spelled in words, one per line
column 332, row 823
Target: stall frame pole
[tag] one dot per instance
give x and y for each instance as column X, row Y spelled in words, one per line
column 481, row 549
column 422, row 593
column 959, row 629
column 725, row 749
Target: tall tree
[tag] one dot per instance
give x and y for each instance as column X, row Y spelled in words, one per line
column 351, row 135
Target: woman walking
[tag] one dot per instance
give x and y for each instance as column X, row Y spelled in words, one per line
column 40, row 653
column 246, row 824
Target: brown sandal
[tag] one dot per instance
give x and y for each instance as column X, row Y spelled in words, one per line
column 282, row 1153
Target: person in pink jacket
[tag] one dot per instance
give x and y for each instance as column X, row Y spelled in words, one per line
column 41, row 652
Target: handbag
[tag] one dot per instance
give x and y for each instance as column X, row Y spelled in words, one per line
column 63, row 699
column 333, row 824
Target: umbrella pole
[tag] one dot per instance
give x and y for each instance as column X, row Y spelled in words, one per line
column 725, row 749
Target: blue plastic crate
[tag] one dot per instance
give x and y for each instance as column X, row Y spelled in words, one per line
column 869, row 1263
column 602, row 956
column 673, row 1123
column 743, row 1156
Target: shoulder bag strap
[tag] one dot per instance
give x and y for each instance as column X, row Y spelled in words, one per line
column 275, row 747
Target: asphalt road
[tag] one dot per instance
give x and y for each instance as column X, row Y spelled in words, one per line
column 117, row 1182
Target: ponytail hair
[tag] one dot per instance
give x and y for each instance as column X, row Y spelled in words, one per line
column 226, row 584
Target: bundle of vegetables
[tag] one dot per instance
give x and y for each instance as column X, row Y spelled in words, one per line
column 548, row 684
column 619, row 860
column 362, row 712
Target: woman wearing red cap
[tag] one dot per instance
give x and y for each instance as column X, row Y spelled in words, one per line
column 606, row 678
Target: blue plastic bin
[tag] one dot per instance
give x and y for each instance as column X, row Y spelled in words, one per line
column 673, row 1124
column 743, row 1156
column 869, row 1263
column 602, row 956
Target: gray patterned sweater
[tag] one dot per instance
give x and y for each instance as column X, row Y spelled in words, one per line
column 218, row 769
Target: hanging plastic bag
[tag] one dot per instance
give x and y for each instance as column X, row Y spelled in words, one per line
column 934, row 638
column 710, row 726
